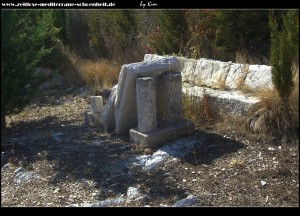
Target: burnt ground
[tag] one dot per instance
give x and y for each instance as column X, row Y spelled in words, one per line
column 79, row 164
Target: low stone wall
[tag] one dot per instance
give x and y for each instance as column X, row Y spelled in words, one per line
column 225, row 75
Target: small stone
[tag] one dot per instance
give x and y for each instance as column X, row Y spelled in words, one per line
column 259, row 155
column 271, row 148
column 162, row 205
column 20, row 169
column 133, row 193
column 189, row 201
column 96, row 104
column 263, row 183
column 184, row 180
column 267, row 199
column 147, row 151
column 6, row 166
column 24, row 176
column 57, row 190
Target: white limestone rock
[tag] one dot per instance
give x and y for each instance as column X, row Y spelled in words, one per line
column 258, row 77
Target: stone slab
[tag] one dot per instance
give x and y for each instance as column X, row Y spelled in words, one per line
column 227, row 102
column 125, row 106
column 162, row 135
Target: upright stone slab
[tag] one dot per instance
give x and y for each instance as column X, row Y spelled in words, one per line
column 125, row 107
column 96, row 104
column 146, row 104
column 173, row 106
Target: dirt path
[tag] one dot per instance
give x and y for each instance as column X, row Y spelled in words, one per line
column 52, row 159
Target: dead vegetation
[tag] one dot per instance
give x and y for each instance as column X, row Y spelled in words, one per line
column 97, row 74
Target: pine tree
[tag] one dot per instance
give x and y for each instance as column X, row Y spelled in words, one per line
column 26, row 37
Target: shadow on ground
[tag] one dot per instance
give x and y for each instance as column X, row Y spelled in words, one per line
column 78, row 152
column 213, row 146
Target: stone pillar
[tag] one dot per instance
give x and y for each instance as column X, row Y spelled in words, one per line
column 173, row 90
column 96, row 104
column 146, row 104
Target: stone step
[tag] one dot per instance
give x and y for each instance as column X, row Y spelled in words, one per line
column 229, row 102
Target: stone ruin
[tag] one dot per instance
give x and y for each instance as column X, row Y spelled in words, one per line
column 146, row 103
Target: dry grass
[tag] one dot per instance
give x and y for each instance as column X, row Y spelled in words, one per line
column 197, row 109
column 99, row 74
column 95, row 74
column 243, row 57
column 234, row 123
column 273, row 116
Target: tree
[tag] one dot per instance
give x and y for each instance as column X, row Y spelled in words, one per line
column 202, row 33
column 284, row 47
column 113, row 34
column 244, row 30
column 26, row 37
column 171, row 33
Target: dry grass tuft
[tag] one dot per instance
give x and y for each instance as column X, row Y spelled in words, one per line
column 99, row 74
column 236, row 163
column 198, row 110
column 233, row 123
column 95, row 74
column 243, row 57
column 273, row 116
